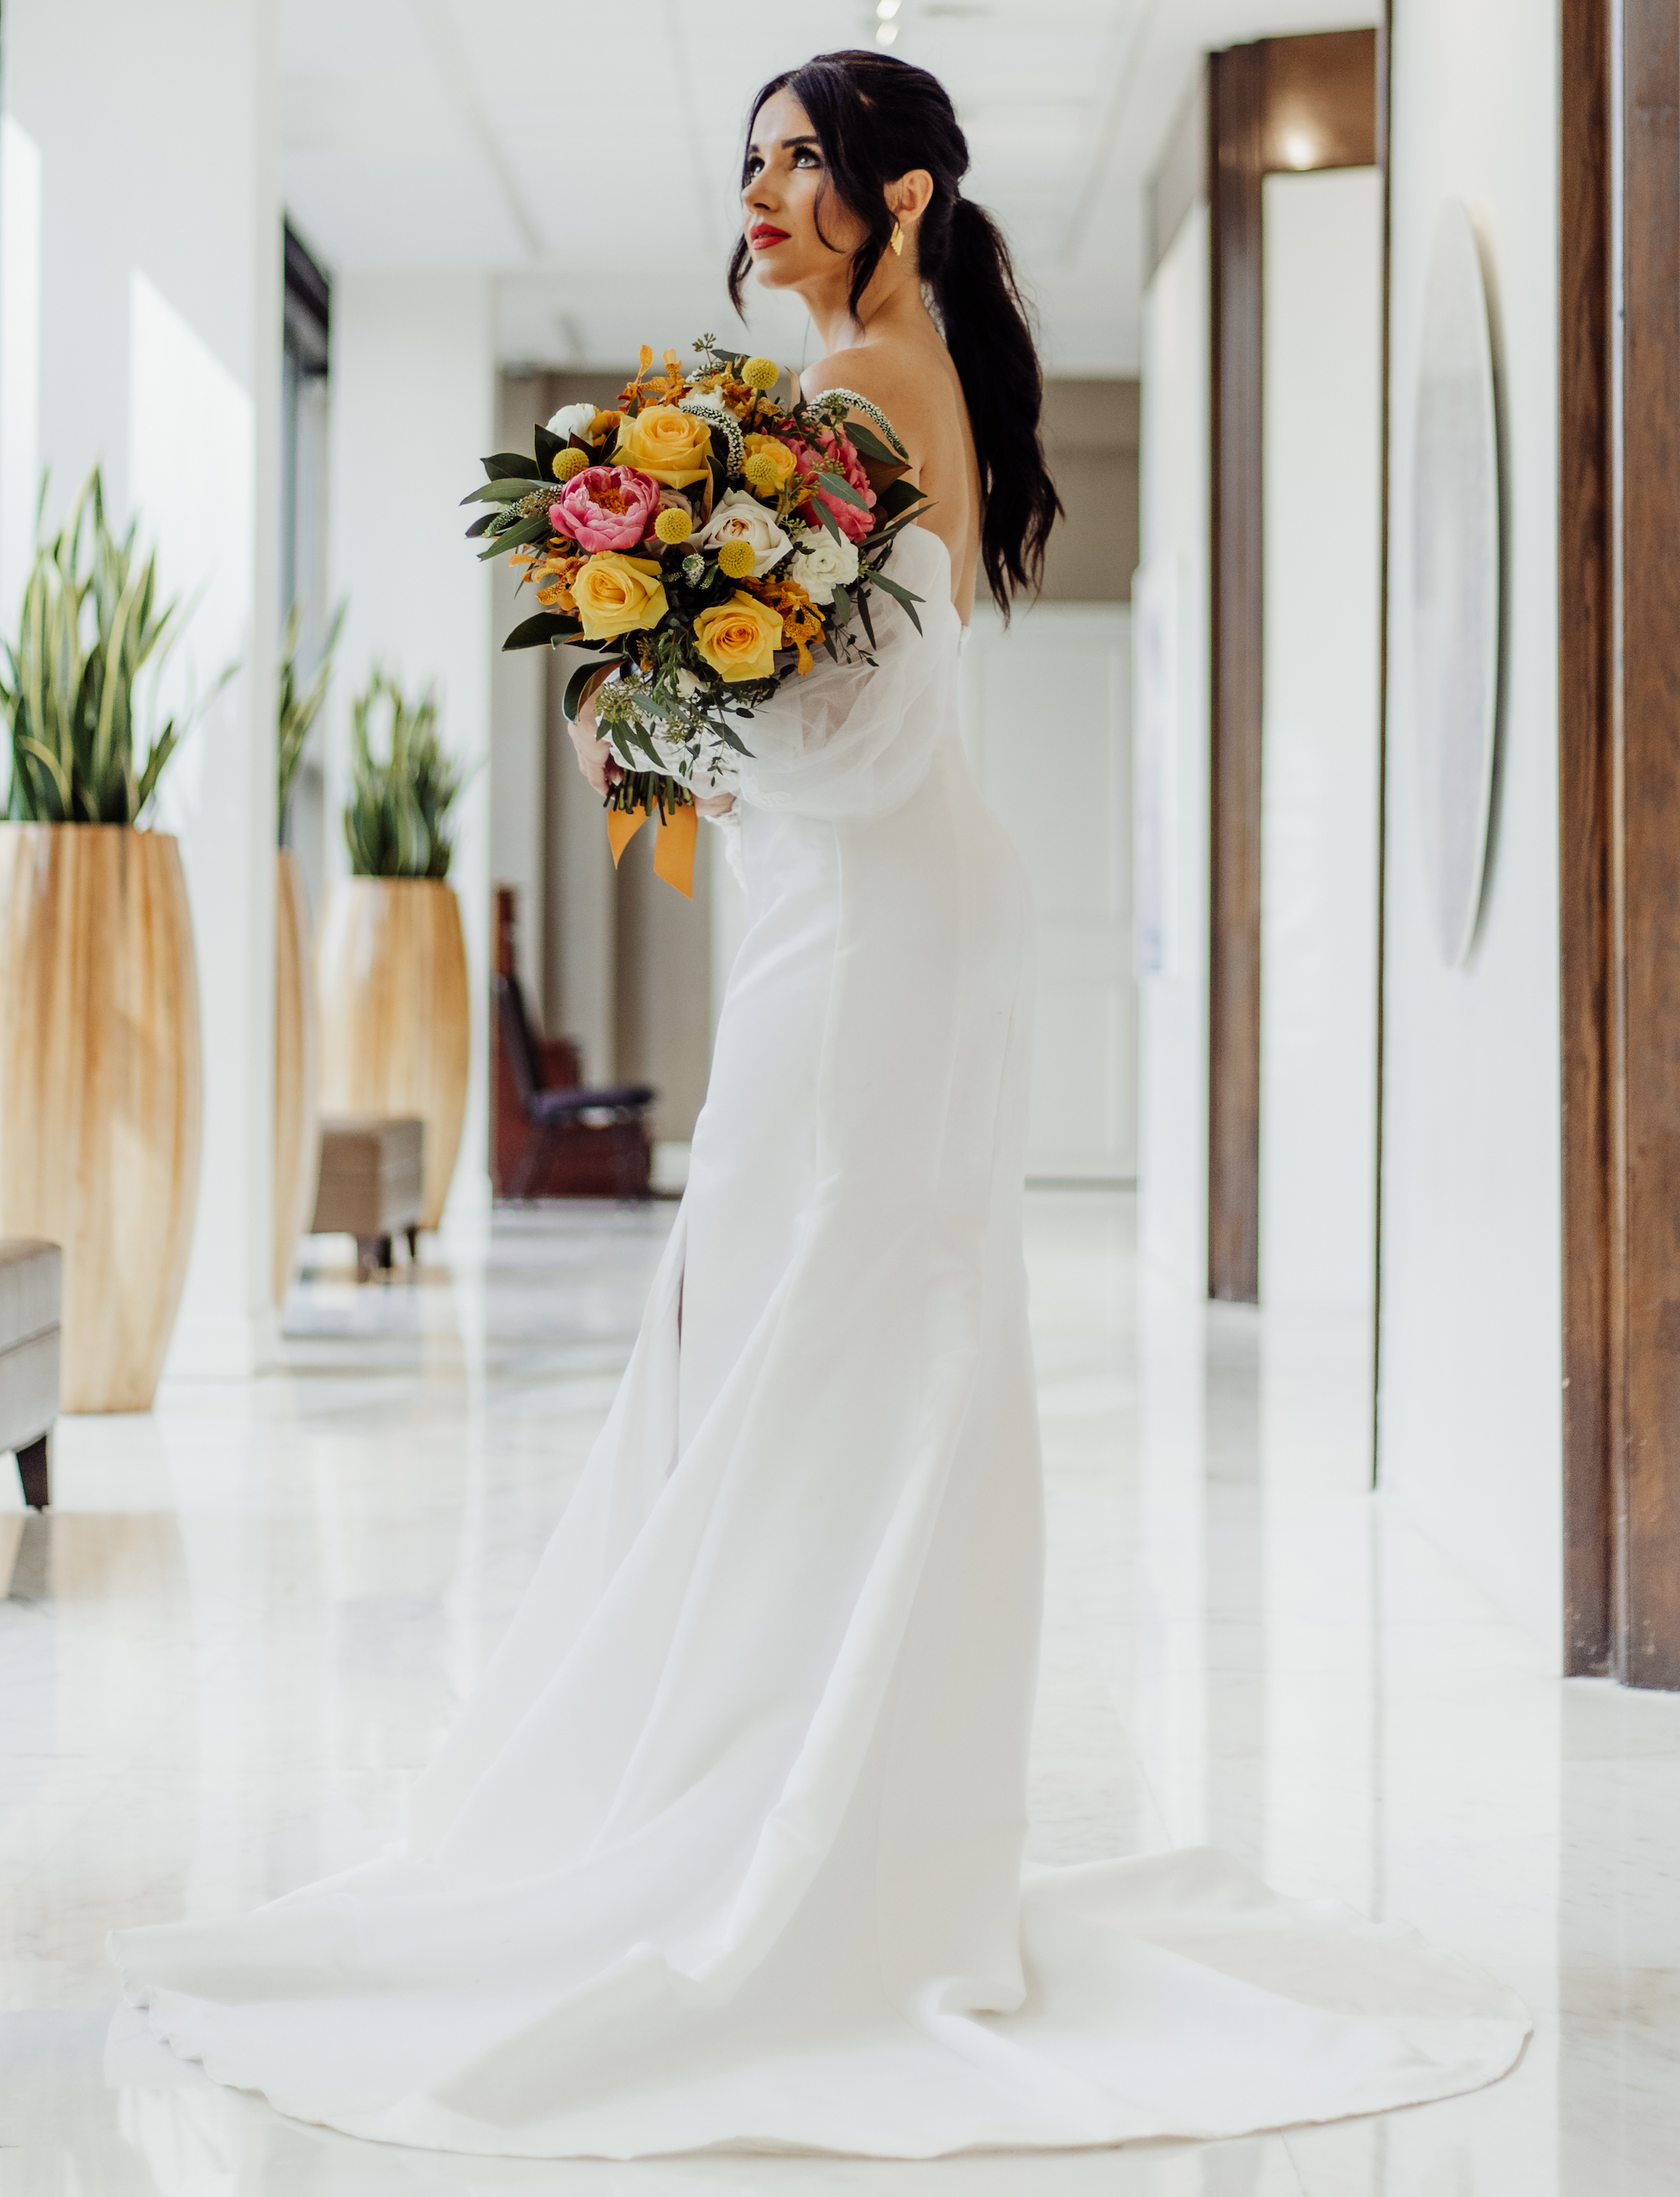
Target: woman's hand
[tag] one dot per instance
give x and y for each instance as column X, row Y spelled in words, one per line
column 715, row 804
column 596, row 759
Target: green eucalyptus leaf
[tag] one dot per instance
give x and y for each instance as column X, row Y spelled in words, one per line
column 538, row 632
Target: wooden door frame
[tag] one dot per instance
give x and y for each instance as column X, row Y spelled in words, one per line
column 1619, row 833
column 1278, row 105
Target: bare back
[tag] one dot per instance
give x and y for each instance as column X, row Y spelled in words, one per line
column 908, row 373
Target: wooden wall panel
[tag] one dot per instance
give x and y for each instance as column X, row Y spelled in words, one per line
column 1586, row 818
column 1646, row 1457
column 1237, row 123
column 1618, row 620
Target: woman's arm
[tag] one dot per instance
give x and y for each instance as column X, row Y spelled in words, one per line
column 603, row 769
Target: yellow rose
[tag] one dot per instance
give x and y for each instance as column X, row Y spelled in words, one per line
column 675, row 447
column 616, row 593
column 768, row 446
column 740, row 638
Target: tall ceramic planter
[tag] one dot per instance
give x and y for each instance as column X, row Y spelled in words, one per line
column 390, row 969
column 100, row 1093
column 297, row 1047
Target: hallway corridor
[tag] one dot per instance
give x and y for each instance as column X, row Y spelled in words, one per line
column 254, row 1614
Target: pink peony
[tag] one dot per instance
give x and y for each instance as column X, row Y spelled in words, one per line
column 605, row 507
column 852, row 522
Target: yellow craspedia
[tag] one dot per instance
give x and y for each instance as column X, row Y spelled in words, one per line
column 761, row 374
column 762, row 475
column 567, row 464
column 735, row 560
column 673, row 526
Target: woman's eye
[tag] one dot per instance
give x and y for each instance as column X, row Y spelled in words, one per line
column 805, row 158
column 752, row 169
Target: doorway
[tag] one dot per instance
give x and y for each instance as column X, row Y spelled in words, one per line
column 1295, row 243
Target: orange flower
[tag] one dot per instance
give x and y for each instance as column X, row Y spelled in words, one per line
column 802, row 621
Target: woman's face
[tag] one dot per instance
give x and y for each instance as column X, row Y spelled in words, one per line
column 783, row 180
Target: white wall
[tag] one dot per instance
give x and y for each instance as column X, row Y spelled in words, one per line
column 1319, row 802
column 140, row 289
column 518, row 731
column 1169, row 646
column 414, row 410
column 1471, row 1371
column 1046, row 707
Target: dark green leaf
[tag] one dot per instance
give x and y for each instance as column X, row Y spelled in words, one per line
column 498, row 491
column 549, row 448
column 572, row 701
column 868, row 445
column 900, row 595
column 902, row 496
column 508, row 464
column 479, row 523
column 528, row 530
column 545, row 626
column 836, row 485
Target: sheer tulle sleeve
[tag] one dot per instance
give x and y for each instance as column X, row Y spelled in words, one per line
column 856, row 740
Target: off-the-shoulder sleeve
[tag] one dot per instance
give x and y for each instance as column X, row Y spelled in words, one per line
column 856, row 740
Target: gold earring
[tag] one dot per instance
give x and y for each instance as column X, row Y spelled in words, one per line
column 896, row 240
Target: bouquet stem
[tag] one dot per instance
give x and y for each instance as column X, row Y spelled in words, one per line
column 649, row 790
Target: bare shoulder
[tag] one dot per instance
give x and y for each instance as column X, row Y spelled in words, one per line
column 909, row 389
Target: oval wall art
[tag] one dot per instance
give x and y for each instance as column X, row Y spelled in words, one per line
column 1455, row 581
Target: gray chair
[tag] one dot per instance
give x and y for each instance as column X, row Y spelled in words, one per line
column 31, row 1287
column 372, row 1175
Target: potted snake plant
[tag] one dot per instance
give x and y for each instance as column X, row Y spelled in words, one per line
column 101, row 1089
column 391, row 960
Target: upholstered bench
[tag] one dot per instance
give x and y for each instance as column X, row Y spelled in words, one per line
column 371, row 1180
column 31, row 1282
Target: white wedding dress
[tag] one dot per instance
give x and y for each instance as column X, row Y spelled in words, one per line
column 727, row 1849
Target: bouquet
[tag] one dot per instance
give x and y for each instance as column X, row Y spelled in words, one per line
column 704, row 541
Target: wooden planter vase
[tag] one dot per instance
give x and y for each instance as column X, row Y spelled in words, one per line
column 101, row 1090
column 390, row 972
column 296, row 1112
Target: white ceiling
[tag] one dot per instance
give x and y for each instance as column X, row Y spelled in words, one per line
column 589, row 158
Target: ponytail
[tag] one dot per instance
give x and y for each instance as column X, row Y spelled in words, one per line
column 877, row 119
column 992, row 348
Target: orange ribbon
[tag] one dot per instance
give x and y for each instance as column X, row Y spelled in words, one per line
column 673, row 843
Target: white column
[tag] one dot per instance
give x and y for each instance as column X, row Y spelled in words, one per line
column 156, row 298
column 1169, row 602
column 518, row 731
column 1318, row 808
column 1471, row 1419
column 414, row 410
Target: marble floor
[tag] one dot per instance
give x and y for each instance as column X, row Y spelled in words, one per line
column 252, row 1614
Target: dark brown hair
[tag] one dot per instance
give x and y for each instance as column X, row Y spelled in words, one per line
column 877, row 119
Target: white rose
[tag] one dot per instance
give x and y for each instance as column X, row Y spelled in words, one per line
column 822, row 564
column 572, row 419
column 740, row 516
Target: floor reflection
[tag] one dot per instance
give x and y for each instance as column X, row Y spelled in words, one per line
column 255, row 1611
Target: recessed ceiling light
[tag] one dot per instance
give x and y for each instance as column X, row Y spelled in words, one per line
column 885, row 33
column 886, row 9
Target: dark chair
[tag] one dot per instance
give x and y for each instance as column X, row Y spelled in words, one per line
column 552, row 1116
column 32, row 1288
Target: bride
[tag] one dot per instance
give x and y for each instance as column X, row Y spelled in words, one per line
column 727, row 1849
